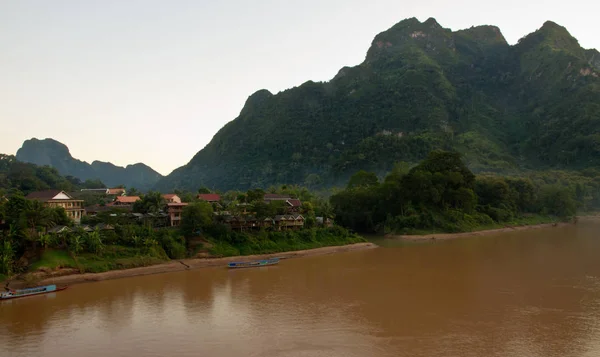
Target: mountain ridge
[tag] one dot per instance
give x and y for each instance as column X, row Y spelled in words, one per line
column 421, row 87
column 50, row 152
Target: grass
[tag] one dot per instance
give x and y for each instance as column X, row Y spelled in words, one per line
column 118, row 257
column 113, row 258
column 261, row 244
column 516, row 222
column 54, row 259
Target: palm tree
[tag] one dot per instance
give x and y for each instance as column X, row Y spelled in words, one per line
column 6, row 257
column 76, row 243
column 94, row 242
column 44, row 240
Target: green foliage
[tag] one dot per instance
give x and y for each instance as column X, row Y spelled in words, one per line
column 195, row 218
column 54, row 259
column 55, row 154
column 441, row 194
column 506, row 109
column 363, row 179
column 151, row 202
column 25, row 178
column 236, row 243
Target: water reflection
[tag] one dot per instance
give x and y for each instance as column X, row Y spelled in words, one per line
column 533, row 293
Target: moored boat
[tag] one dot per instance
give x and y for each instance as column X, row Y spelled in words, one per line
column 255, row 263
column 38, row 290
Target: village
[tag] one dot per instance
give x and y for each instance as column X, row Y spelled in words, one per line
column 121, row 207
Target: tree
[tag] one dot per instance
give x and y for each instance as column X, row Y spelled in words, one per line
column 557, row 201
column 203, row 190
column 6, row 256
column 94, row 242
column 363, row 179
column 152, row 202
column 255, row 195
column 195, row 218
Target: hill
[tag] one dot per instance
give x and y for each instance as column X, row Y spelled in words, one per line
column 55, row 154
column 534, row 105
column 27, row 178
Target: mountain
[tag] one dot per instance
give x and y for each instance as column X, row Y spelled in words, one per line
column 534, row 105
column 27, row 178
column 49, row 152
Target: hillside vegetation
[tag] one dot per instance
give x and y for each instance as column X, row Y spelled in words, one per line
column 49, row 152
column 421, row 87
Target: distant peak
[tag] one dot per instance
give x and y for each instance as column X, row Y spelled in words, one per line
column 46, row 144
column 552, row 25
column 485, row 33
column 554, row 36
column 432, row 22
column 256, row 100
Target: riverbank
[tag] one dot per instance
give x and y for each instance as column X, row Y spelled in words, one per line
column 71, row 276
column 484, row 232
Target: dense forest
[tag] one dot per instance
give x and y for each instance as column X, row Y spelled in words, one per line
column 441, row 194
column 506, row 109
column 16, row 176
column 29, row 240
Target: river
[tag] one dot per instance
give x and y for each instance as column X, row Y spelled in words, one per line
column 530, row 293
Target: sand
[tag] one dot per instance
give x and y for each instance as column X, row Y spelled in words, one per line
column 186, row 264
column 446, row 236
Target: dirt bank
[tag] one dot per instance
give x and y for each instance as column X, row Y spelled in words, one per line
column 445, row 236
column 185, row 264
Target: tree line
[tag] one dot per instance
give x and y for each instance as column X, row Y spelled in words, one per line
column 442, row 194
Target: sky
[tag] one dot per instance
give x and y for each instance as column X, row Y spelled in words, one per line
column 149, row 81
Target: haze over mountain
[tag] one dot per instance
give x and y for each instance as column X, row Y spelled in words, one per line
column 56, row 154
column 534, row 105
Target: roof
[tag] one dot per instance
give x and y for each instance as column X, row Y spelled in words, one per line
column 294, row 203
column 169, row 195
column 275, row 196
column 59, row 229
column 127, row 199
column 47, row 195
column 177, row 204
column 115, row 191
column 210, row 197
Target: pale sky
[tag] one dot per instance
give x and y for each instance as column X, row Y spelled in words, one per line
column 152, row 81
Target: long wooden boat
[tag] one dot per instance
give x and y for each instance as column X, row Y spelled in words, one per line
column 38, row 290
column 255, row 263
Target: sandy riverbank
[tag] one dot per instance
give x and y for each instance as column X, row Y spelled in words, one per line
column 445, row 236
column 186, row 264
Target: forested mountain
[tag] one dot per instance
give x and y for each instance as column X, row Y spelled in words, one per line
column 27, row 178
column 55, row 154
column 534, row 105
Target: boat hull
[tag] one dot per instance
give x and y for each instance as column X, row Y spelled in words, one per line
column 40, row 290
column 253, row 264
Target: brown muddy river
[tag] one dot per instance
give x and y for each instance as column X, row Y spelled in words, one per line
column 531, row 293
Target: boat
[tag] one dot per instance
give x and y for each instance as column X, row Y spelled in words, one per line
column 255, row 263
column 38, row 290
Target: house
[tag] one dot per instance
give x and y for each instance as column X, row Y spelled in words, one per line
column 171, row 198
column 294, row 205
column 115, row 191
column 275, row 197
column 125, row 200
column 209, row 197
column 102, row 191
column 327, row 222
column 174, row 211
column 59, row 230
column 58, row 198
column 242, row 222
column 289, row 221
